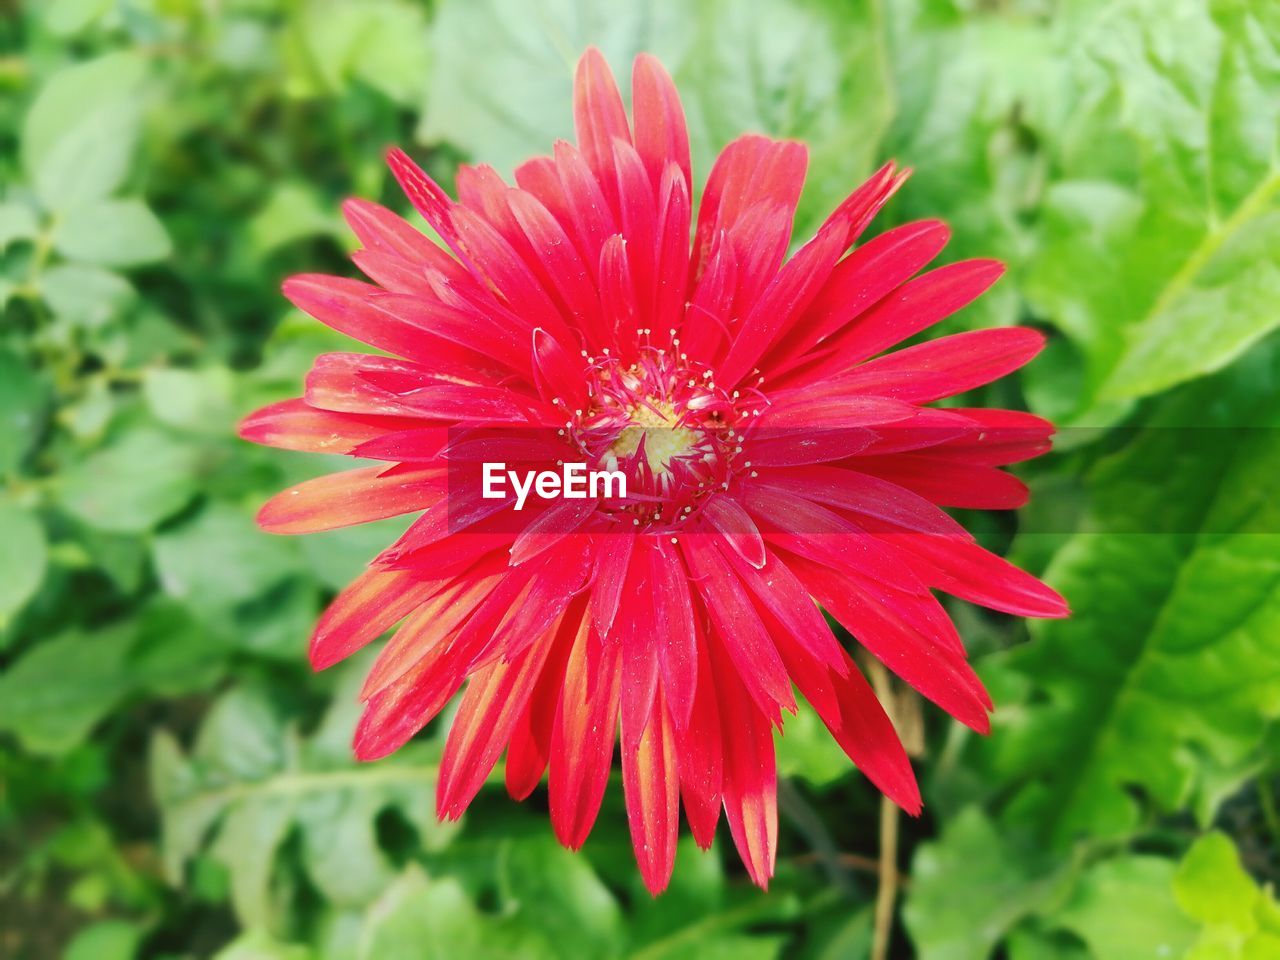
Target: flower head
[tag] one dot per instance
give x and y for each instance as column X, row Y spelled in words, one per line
column 774, row 454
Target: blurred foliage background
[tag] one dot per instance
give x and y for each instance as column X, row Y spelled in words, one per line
column 174, row 782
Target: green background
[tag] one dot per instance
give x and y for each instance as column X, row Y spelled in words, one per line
column 174, row 782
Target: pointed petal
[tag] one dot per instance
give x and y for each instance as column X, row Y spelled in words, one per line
column 749, row 646
column 344, row 499
column 296, row 425
column 701, row 752
column 661, row 135
column 495, row 699
column 750, row 780
column 582, row 744
column 674, row 631
column 650, row 781
column 949, row 365
column 599, row 118
column 365, row 609
column 972, row 573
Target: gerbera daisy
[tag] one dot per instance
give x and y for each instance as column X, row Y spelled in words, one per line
column 775, row 455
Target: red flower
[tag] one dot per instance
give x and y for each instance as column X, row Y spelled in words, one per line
column 774, row 456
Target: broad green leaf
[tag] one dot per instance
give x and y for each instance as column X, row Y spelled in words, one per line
column 79, row 135
column 17, row 222
column 257, row 945
column 199, row 400
column 67, row 17
column 106, row 940
column 1240, row 921
column 336, row 557
column 84, row 295
column 1163, row 133
column 423, row 919
column 806, row 749
column 816, row 73
column 132, row 484
column 382, row 43
column 250, row 782
column 962, row 84
column 55, row 693
column 556, row 892
column 1161, row 684
column 1123, row 909
column 1213, row 888
column 112, row 233
column 219, row 559
column 1005, row 879
column 23, row 398
column 23, row 554
column 292, row 212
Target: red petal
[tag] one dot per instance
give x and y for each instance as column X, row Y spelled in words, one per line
column 915, row 305
column 869, row 273
column 735, row 525
column 344, row 499
column 968, row 571
column 673, row 630
column 296, row 425
column 599, row 118
column 949, row 365
column 750, row 780
column 495, row 699
column 530, row 746
column 866, row 495
column 650, row 780
column 787, row 296
column 748, row 643
column 367, row 608
column 927, row 662
column 750, row 169
column 661, row 136
column 701, row 758
column 582, row 745
column 949, row 483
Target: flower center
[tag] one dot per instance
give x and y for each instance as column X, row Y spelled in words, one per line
column 665, row 424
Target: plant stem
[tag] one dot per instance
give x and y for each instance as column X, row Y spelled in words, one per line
column 887, row 885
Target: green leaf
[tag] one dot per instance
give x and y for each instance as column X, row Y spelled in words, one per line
column 336, row 557
column 382, row 43
column 106, row 940
column 1239, row 920
column 1006, row 878
column 805, row 748
column 199, row 400
column 962, row 84
column 113, row 233
column 817, row 73
column 17, row 222
column 23, row 555
column 55, row 694
column 23, row 398
column 80, row 133
column 423, row 919
column 132, row 484
column 1213, row 888
column 84, row 295
column 257, row 945
column 292, row 212
column 1175, row 591
column 556, row 892
column 1163, row 133
column 67, row 17
column 251, row 782
column 1123, row 908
